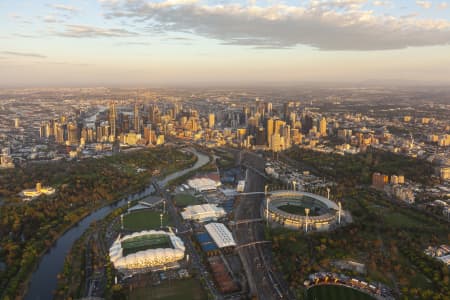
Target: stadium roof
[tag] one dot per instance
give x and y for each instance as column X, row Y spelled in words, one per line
column 202, row 212
column 149, row 257
column 220, row 234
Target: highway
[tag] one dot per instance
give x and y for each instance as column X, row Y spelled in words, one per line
column 264, row 283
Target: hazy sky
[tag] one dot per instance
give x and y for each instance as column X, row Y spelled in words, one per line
column 153, row 43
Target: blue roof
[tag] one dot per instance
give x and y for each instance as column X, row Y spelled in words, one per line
column 209, row 247
column 204, row 238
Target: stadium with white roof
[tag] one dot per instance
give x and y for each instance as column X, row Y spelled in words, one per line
column 146, row 250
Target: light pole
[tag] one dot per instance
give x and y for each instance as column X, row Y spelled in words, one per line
column 339, row 214
column 306, row 220
column 164, row 206
column 267, row 204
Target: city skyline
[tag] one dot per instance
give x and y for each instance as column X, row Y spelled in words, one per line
column 184, row 42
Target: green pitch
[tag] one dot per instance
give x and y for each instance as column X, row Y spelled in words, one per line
column 188, row 289
column 182, row 200
column 146, row 242
column 144, row 220
column 297, row 209
column 333, row 292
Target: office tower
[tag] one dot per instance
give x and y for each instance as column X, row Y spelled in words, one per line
column 211, row 120
column 16, row 123
column 137, row 121
column 269, row 108
column 276, row 142
column 287, row 106
column 307, row 123
column 278, row 124
column 59, row 133
column 72, row 134
column 287, row 136
column 323, row 126
column 112, row 118
column 269, row 129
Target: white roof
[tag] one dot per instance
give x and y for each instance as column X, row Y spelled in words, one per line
column 202, row 211
column 203, row 184
column 146, row 258
column 220, row 234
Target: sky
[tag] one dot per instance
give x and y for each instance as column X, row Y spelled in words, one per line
column 216, row 42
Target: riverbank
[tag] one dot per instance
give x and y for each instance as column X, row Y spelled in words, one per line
column 31, row 230
column 61, row 251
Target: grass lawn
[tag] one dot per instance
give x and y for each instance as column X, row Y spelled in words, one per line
column 333, row 292
column 137, row 244
column 144, row 220
column 397, row 219
column 189, row 289
column 182, row 200
column 297, row 209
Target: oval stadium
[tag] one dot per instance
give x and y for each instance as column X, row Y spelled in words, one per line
column 145, row 250
column 290, row 209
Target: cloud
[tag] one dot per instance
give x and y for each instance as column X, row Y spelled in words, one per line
column 51, row 19
column 132, row 44
column 326, row 25
column 23, row 54
column 424, row 4
column 443, row 5
column 63, row 7
column 382, row 3
column 83, row 31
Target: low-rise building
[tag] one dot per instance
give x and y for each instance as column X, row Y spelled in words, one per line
column 203, row 212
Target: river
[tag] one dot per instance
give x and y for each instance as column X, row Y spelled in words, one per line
column 44, row 279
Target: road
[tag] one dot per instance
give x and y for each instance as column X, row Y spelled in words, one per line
column 194, row 258
column 264, row 283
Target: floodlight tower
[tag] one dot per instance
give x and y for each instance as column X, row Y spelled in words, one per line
column 267, row 204
column 306, row 220
column 339, row 213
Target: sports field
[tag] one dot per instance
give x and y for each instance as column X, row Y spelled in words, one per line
column 333, row 292
column 182, row 200
column 188, row 289
column 141, row 243
column 297, row 209
column 144, row 220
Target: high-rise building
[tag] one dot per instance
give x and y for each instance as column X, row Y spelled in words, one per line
column 323, row 126
column 72, row 133
column 211, row 120
column 112, row 118
column 269, row 108
column 278, row 125
column 137, row 120
column 16, row 123
column 269, row 129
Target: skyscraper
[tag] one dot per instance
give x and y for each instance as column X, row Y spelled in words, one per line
column 269, row 128
column 137, row 121
column 112, row 118
column 211, row 120
column 323, row 126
